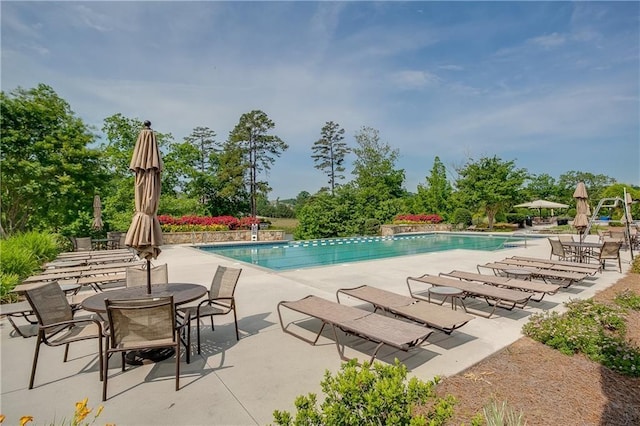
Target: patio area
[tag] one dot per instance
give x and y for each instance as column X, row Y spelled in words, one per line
column 243, row 382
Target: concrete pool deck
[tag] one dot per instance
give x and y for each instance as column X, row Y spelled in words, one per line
column 242, row 383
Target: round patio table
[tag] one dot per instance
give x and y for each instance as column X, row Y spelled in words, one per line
column 445, row 292
column 181, row 292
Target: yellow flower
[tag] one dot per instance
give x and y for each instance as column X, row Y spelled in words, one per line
column 25, row 419
column 1, row 418
column 81, row 405
column 99, row 410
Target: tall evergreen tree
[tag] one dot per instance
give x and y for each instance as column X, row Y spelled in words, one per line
column 436, row 194
column 257, row 149
column 329, row 153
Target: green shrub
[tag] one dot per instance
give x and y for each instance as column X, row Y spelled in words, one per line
column 635, row 266
column 592, row 328
column 7, row 283
column 16, row 259
column 43, row 245
column 497, row 414
column 461, row 216
column 369, row 395
column 516, row 217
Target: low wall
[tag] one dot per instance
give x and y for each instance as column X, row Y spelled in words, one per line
column 386, row 230
column 219, row 236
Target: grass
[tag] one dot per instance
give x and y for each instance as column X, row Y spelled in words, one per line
column 287, row 225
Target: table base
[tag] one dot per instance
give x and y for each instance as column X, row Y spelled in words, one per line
column 148, row 356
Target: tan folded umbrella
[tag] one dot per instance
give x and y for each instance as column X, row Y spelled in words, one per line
column 145, row 235
column 583, row 211
column 97, row 213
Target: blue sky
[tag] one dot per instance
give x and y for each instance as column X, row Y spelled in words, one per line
column 553, row 86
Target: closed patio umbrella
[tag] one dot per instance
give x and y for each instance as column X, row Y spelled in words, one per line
column 97, row 213
column 145, row 235
column 581, row 220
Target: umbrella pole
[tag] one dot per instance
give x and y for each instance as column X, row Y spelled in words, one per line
column 148, row 276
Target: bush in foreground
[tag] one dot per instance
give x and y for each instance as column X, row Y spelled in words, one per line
column 377, row 394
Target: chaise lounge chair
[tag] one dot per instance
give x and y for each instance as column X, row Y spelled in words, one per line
column 367, row 325
column 429, row 314
column 534, row 287
column 586, row 268
column 567, row 278
column 494, row 296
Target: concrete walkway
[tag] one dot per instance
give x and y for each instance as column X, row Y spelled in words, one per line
column 242, row 383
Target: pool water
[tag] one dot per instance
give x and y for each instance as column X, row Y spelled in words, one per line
column 304, row 254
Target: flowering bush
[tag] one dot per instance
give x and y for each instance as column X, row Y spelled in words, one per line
column 205, row 223
column 417, row 218
column 595, row 329
column 79, row 416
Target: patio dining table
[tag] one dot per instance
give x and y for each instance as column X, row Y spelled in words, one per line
column 583, row 249
column 181, row 292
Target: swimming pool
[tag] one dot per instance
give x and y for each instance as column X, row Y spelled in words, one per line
column 304, row 254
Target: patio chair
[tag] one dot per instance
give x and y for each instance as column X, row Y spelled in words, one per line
column 494, row 296
column 610, row 251
column 220, row 299
column 545, row 264
column 429, row 314
column 136, row 276
column 141, row 324
column 559, row 250
column 580, row 267
column 83, row 244
column 56, row 323
column 366, row 325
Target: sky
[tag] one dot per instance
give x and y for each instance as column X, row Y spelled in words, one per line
column 552, row 86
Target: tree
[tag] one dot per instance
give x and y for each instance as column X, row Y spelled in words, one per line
column 257, row 149
column 490, row 184
column 568, row 181
column 48, row 172
column 233, row 196
column 374, row 166
column 541, row 187
column 329, row 153
column 436, row 194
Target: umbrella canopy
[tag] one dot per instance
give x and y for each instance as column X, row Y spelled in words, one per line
column 581, row 220
column 144, row 234
column 542, row 204
column 97, row 213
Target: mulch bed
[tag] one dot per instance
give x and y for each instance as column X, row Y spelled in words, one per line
column 548, row 387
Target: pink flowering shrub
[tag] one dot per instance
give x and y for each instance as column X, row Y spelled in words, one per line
column 417, row 218
column 204, row 223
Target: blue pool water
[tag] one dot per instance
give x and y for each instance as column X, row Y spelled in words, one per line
column 303, row 254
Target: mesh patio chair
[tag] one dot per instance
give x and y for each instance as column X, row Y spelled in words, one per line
column 141, row 324
column 559, row 250
column 220, row 299
column 610, row 251
column 56, row 323
column 137, row 275
column 83, row 244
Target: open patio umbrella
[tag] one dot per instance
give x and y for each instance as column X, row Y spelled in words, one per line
column 581, row 220
column 542, row 204
column 144, row 234
column 97, row 213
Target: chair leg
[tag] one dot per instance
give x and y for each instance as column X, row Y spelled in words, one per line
column 178, row 365
column 105, row 369
column 235, row 321
column 35, row 360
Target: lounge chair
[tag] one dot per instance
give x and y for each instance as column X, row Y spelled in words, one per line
column 22, row 310
column 494, row 296
column 366, row 325
column 585, row 267
column 534, row 287
column 567, row 278
column 429, row 314
column 576, row 267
